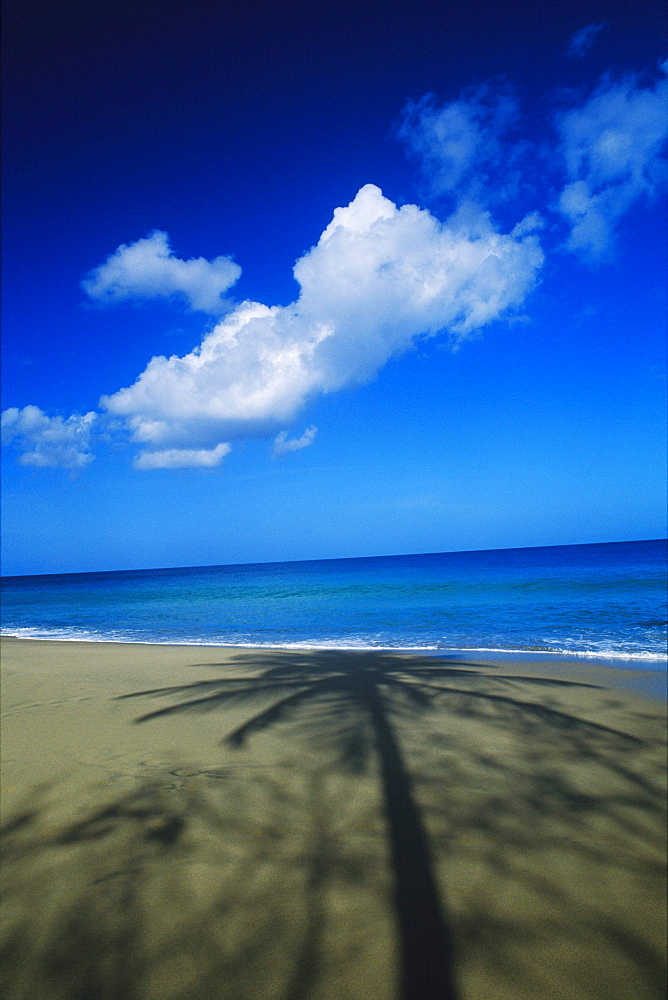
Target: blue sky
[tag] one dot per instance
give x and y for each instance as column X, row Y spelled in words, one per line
column 291, row 281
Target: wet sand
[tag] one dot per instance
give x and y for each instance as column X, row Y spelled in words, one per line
column 148, row 860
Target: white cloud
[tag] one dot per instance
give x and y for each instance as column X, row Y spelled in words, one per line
column 581, row 41
column 462, row 145
column 283, row 444
column 607, row 154
column 182, row 458
column 147, row 269
column 49, row 441
column 379, row 277
column 612, row 150
column 529, row 224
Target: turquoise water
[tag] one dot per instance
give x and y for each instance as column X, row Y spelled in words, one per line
column 604, row 600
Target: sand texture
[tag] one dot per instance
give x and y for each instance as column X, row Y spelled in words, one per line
column 378, row 826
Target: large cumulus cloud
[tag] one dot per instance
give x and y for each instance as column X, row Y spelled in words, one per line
column 379, row 277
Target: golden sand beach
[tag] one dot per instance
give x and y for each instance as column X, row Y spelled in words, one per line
column 384, row 820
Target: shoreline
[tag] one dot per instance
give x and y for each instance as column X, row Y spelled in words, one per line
column 613, row 657
column 69, row 691
column 542, row 803
column 647, row 675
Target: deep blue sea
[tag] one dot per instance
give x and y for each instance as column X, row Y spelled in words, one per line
column 605, row 600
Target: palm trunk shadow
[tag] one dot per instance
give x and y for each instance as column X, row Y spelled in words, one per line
column 425, row 940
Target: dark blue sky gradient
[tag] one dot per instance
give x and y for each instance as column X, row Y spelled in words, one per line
column 238, row 128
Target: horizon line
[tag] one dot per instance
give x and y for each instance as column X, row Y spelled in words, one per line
column 288, row 562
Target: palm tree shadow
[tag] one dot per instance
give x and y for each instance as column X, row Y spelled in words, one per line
column 574, row 828
column 356, row 703
column 108, row 903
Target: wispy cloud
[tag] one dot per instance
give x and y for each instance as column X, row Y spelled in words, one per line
column 612, row 148
column 182, row 458
column 283, row 445
column 581, row 41
column 602, row 155
column 148, row 269
column 49, row 441
column 467, row 146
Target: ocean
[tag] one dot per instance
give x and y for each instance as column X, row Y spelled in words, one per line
column 604, row 600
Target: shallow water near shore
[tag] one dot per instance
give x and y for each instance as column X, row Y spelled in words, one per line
column 605, row 601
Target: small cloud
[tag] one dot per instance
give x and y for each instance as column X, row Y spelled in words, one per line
column 283, row 444
column 529, row 224
column 147, row 269
column 49, row 442
column 581, row 41
column 182, row 458
column 467, row 147
column 612, row 148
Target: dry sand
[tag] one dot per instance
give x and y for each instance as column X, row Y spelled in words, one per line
column 149, row 861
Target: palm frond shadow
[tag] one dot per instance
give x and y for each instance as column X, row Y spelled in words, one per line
column 112, row 903
column 579, row 843
column 356, row 704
